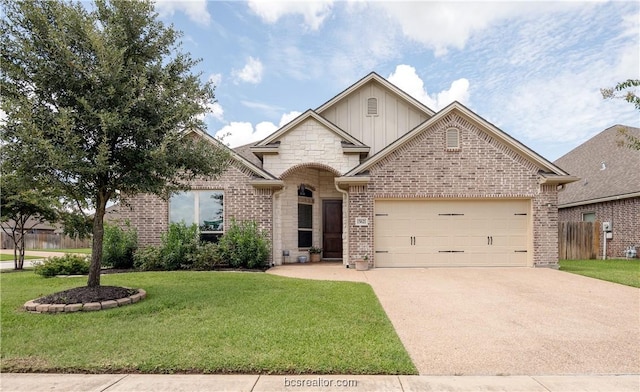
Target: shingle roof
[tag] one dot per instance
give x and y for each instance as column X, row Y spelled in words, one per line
column 245, row 152
column 606, row 166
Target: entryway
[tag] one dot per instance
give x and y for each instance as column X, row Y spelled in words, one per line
column 332, row 229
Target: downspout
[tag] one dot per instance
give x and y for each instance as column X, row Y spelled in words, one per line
column 273, row 226
column 345, row 233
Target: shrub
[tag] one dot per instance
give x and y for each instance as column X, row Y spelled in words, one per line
column 244, row 245
column 178, row 244
column 148, row 259
column 206, row 257
column 64, row 265
column 119, row 246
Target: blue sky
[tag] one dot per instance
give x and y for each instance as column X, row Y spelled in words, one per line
column 534, row 69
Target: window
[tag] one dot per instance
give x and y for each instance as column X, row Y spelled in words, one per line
column 452, row 139
column 588, row 216
column 305, row 217
column 205, row 208
column 372, row 106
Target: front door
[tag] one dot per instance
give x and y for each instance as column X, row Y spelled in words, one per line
column 332, row 229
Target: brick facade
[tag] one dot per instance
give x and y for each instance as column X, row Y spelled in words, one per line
column 150, row 214
column 483, row 167
column 624, row 215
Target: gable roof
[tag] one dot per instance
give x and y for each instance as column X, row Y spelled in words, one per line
column 384, row 82
column 608, row 170
column 301, row 118
column 554, row 174
column 234, row 155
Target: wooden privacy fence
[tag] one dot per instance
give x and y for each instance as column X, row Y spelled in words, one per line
column 47, row 241
column 578, row 240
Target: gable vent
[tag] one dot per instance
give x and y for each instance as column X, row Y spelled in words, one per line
column 372, row 106
column 453, row 139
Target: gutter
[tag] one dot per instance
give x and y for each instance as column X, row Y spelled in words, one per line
column 600, row 200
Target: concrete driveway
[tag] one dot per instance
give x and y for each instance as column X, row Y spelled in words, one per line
column 503, row 321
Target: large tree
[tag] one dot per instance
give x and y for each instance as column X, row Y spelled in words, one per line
column 98, row 99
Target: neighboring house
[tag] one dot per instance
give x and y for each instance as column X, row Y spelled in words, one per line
column 609, row 187
column 32, row 226
column 373, row 172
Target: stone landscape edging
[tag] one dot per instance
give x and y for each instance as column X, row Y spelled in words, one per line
column 35, row 307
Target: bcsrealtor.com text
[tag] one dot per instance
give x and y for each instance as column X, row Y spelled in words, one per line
column 319, row 382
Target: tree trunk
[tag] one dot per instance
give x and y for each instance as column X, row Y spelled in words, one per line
column 18, row 244
column 98, row 236
column 15, row 254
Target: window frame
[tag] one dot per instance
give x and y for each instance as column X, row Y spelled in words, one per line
column 196, row 209
column 306, row 200
column 588, row 213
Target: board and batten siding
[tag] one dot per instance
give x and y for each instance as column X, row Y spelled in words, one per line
column 395, row 116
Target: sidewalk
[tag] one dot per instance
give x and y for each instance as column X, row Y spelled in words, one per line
column 25, row 382
column 28, row 262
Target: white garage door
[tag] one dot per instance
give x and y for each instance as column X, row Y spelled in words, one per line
column 451, row 233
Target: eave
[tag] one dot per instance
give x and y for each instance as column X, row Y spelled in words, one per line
column 344, row 182
column 267, row 184
column 600, row 200
column 554, row 179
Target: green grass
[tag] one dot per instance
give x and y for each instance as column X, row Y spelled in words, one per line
column 209, row 322
column 9, row 257
column 625, row 272
column 86, row 251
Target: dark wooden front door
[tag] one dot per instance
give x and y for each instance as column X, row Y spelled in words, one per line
column 332, row 229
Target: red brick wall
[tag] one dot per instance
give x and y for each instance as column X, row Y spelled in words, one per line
column 623, row 214
column 483, row 167
column 150, row 214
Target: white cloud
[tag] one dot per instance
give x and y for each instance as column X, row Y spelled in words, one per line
column 251, row 73
column 196, row 10
column 237, row 134
column 443, row 25
column 216, row 111
column 406, row 78
column 215, row 78
column 313, row 12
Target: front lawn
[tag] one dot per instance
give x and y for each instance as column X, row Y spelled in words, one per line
column 625, row 272
column 208, row 322
column 9, row 257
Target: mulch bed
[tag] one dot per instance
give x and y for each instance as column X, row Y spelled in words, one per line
column 86, row 294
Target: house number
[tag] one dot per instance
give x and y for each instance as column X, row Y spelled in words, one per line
column 362, row 221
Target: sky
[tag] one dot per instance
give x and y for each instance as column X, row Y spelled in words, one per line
column 533, row 69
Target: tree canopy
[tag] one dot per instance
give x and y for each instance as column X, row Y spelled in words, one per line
column 97, row 100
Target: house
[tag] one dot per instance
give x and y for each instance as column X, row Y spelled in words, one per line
column 373, row 172
column 31, row 226
column 609, row 187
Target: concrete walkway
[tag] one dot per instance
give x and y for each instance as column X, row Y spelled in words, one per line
column 13, row 382
column 41, row 255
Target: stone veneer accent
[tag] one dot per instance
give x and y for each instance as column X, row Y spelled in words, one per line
column 310, row 141
column 36, row 307
column 150, row 214
column 624, row 214
column 483, row 167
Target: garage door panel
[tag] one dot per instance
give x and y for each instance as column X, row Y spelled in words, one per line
column 443, row 233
